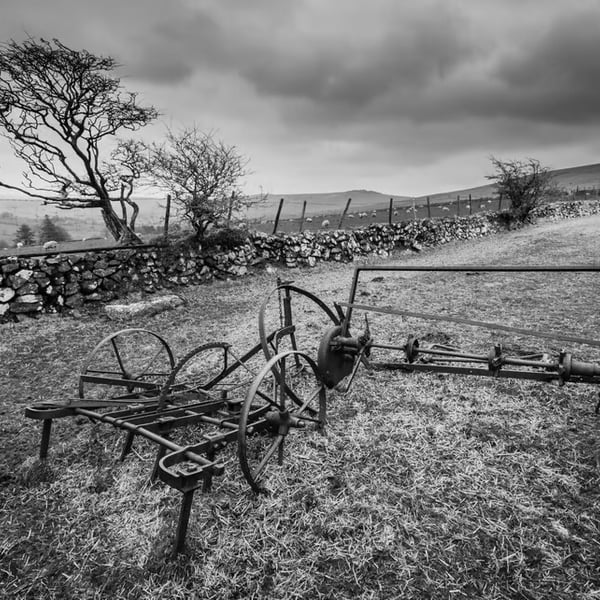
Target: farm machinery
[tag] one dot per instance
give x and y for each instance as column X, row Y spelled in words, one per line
column 256, row 399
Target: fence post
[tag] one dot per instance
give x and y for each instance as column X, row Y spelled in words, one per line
column 428, row 208
column 390, row 211
column 499, row 202
column 470, row 205
column 458, row 206
column 167, row 215
column 277, row 217
column 302, row 217
column 344, row 213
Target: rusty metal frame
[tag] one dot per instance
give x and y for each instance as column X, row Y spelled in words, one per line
column 564, row 369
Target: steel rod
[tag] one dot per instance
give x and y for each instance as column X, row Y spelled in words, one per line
column 460, row 320
column 457, row 268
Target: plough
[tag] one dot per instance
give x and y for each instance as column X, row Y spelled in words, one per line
column 132, row 381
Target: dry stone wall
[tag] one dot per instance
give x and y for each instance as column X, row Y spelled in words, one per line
column 30, row 286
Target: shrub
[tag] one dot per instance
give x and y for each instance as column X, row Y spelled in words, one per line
column 524, row 183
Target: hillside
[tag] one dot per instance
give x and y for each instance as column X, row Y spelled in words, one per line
column 325, row 203
column 571, row 178
column 85, row 223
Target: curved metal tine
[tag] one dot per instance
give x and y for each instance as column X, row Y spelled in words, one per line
column 277, row 442
column 118, row 355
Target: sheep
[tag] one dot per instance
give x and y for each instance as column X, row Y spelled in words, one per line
column 325, row 223
column 445, row 208
column 50, row 245
column 351, row 216
column 374, row 214
column 19, row 244
column 309, row 219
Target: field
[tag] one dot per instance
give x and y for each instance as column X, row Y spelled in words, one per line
column 425, row 486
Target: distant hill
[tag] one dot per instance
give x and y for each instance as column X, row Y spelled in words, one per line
column 324, row 203
column 571, row 178
column 88, row 223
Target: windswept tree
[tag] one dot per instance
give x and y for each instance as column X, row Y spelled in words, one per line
column 61, row 110
column 203, row 176
column 524, row 183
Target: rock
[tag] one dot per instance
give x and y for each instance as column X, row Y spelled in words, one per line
column 143, row 308
column 24, row 274
column 6, row 294
column 28, row 288
column 74, row 300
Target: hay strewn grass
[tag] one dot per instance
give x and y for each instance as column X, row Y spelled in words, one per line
column 425, row 486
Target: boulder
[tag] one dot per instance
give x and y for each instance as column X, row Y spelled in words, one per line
column 143, row 308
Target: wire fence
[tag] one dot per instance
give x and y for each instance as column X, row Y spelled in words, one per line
column 396, row 211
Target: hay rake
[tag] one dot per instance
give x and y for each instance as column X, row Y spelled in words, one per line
column 132, row 381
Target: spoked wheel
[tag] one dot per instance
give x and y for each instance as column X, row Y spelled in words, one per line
column 128, row 364
column 291, row 318
column 281, row 398
column 209, row 370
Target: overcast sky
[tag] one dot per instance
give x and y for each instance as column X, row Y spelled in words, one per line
column 403, row 97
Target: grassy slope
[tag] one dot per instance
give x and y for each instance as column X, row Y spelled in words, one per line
column 425, row 486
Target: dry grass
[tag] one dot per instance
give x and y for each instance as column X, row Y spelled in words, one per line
column 424, row 487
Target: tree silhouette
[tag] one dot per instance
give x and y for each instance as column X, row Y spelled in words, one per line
column 50, row 231
column 61, row 110
column 24, row 235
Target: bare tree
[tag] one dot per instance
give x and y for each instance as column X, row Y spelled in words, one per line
column 203, row 176
column 61, row 110
column 525, row 183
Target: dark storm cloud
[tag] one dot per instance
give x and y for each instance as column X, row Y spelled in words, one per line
column 558, row 78
column 334, row 71
column 377, row 83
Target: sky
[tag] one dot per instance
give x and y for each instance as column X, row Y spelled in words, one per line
column 404, row 97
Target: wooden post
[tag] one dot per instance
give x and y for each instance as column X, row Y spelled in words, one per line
column 302, row 217
column 428, row 208
column 390, row 211
column 344, row 213
column 230, row 209
column 458, row 206
column 277, row 216
column 167, row 215
column 470, row 205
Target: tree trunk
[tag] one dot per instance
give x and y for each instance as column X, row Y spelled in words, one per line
column 117, row 227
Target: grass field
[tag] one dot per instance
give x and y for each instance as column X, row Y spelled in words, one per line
column 425, row 486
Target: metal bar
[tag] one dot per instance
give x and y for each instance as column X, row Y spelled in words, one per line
column 457, row 268
column 147, row 385
column 484, row 268
column 184, row 517
column 502, row 373
column 46, row 429
column 460, row 320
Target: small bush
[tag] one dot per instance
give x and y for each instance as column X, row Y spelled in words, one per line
column 524, row 183
column 227, row 239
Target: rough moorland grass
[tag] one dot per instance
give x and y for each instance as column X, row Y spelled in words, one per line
column 425, row 486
